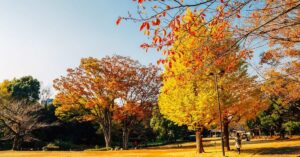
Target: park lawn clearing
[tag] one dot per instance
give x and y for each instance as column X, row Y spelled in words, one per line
column 254, row 148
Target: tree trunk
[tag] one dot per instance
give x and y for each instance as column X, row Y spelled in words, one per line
column 199, row 141
column 226, row 135
column 106, row 127
column 259, row 132
column 282, row 133
column 125, row 138
column 16, row 143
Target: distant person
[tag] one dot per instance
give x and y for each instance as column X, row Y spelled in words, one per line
column 238, row 142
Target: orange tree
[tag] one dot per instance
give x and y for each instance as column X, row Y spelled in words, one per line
column 281, row 59
column 241, row 99
column 91, row 92
column 138, row 100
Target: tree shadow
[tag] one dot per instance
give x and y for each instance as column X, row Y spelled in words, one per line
column 272, row 151
column 267, row 141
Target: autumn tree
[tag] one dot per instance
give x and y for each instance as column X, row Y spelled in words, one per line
column 241, row 99
column 4, row 93
column 272, row 24
column 188, row 95
column 192, row 58
column 137, row 99
column 252, row 18
column 189, row 103
column 91, row 92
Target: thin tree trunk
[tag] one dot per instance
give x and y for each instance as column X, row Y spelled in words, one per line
column 282, row 133
column 199, row 141
column 125, row 138
column 16, row 143
column 259, row 132
column 226, row 135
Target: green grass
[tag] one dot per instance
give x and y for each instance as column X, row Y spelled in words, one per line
column 254, row 148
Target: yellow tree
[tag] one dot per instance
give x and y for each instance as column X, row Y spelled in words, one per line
column 188, row 95
column 4, row 93
column 188, row 103
column 90, row 91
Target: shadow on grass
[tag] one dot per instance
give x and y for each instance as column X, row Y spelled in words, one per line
column 271, row 151
column 267, row 141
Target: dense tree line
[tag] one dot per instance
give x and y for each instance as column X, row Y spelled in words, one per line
column 117, row 102
column 30, row 119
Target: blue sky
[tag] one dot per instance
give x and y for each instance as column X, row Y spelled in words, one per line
column 43, row 38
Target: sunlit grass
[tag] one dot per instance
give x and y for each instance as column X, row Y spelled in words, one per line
column 265, row 148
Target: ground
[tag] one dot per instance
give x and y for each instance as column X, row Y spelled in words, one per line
column 254, row 148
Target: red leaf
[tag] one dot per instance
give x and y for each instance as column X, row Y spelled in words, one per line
column 156, row 22
column 118, row 21
column 144, row 24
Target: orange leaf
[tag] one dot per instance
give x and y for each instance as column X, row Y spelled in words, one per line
column 156, row 22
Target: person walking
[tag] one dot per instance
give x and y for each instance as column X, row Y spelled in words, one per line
column 238, row 142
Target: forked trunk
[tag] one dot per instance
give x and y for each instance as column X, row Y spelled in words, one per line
column 107, row 138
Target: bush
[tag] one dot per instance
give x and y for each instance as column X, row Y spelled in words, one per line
column 62, row 145
column 292, row 127
column 51, row 146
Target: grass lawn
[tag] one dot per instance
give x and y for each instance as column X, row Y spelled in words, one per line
column 265, row 148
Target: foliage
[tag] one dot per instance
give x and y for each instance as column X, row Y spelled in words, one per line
column 269, row 20
column 277, row 118
column 4, row 93
column 93, row 91
column 291, row 126
column 26, row 88
column 138, row 99
column 167, row 130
